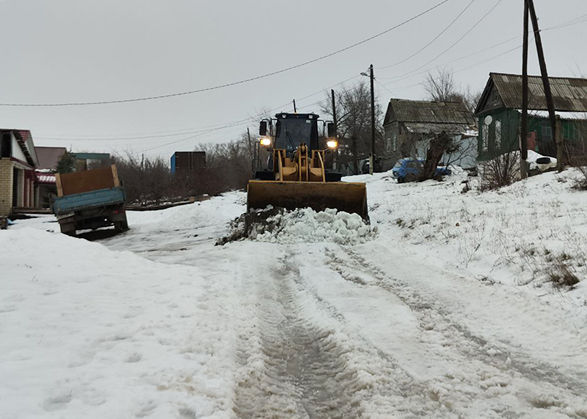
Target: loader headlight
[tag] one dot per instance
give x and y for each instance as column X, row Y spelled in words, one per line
column 265, row 142
column 332, row 144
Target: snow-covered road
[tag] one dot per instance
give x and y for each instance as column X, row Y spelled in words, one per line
column 175, row 327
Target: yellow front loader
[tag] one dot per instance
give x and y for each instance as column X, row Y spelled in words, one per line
column 296, row 176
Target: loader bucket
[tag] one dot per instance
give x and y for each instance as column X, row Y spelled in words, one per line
column 342, row 196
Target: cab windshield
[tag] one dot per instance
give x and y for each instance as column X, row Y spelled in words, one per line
column 293, row 132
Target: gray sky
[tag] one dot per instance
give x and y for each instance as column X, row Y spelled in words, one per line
column 78, row 51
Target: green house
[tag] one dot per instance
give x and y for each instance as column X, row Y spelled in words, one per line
column 499, row 114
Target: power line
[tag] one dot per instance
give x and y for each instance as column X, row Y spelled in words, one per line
column 411, row 74
column 462, row 37
column 222, row 86
column 433, row 40
column 377, row 81
column 204, row 129
column 471, row 66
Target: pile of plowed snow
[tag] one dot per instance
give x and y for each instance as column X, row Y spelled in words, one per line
column 302, row 225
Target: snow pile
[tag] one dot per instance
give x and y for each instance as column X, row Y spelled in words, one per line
column 307, row 225
column 303, row 225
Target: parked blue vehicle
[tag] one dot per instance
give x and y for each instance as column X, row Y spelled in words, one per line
column 407, row 170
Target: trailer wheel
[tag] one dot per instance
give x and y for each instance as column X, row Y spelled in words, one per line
column 121, row 225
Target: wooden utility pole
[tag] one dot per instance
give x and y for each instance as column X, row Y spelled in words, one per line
column 543, row 70
column 372, row 159
column 294, row 104
column 559, row 144
column 524, row 128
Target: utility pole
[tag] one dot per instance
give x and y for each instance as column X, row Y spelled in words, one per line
column 335, row 122
column 254, row 162
column 543, row 71
column 372, row 159
column 524, row 128
column 295, row 109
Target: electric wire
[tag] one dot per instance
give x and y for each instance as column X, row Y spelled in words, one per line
column 225, row 85
column 462, row 37
column 432, row 41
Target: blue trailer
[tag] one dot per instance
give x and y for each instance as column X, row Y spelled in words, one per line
column 90, row 200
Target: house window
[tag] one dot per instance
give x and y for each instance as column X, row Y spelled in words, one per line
column 484, row 138
column 394, row 142
column 5, row 144
column 498, row 135
column 546, row 131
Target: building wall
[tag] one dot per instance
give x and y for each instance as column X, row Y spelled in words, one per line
column 392, row 146
column 503, row 134
column 5, row 186
column 21, row 188
column 17, row 151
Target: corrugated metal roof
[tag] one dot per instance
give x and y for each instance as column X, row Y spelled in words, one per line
column 429, row 112
column 569, row 94
column 435, row 128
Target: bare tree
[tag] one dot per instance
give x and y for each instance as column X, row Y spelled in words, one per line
column 146, row 180
column 353, row 109
column 441, row 87
column 439, row 145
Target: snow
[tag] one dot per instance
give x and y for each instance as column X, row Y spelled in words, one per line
column 308, row 226
column 443, row 307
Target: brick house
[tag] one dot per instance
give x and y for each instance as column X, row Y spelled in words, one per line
column 18, row 161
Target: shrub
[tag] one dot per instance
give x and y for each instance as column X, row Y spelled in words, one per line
column 501, row 171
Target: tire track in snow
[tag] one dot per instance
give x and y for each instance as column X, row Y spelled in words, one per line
column 300, row 371
column 560, row 391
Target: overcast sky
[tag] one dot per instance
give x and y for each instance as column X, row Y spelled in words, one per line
column 83, row 51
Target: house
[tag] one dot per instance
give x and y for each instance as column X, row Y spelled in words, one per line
column 409, row 126
column 500, row 107
column 18, row 161
column 48, row 158
column 184, row 163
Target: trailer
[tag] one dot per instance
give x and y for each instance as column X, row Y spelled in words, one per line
column 89, row 200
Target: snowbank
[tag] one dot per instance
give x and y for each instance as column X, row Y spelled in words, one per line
column 92, row 333
column 524, row 236
column 302, row 225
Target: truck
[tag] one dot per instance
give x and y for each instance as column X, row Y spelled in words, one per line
column 90, row 199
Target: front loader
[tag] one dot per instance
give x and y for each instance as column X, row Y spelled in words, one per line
column 297, row 174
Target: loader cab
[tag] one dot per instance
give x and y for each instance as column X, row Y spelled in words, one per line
column 295, row 129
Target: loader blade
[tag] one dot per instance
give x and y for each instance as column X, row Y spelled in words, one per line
column 342, row 196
